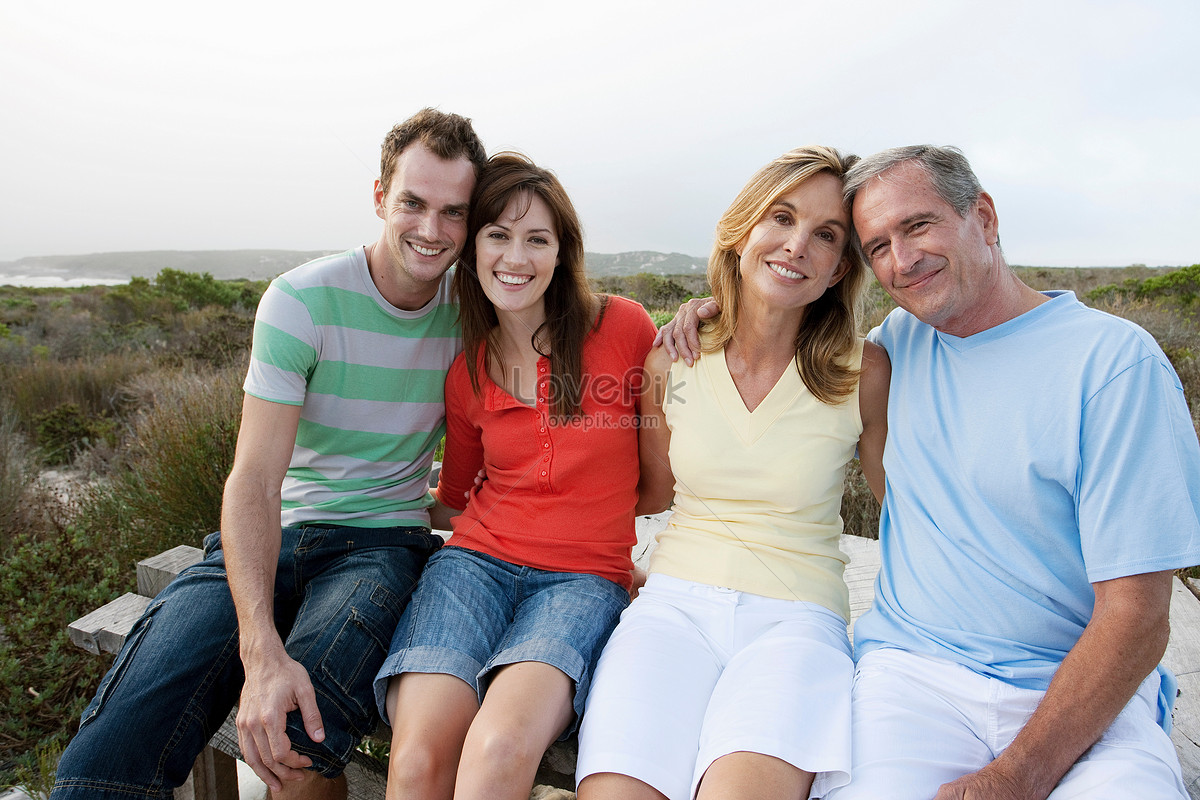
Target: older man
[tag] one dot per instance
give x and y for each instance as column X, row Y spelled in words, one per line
column 1043, row 479
column 324, row 523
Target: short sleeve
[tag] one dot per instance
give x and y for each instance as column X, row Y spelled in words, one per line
column 285, row 347
column 1138, row 495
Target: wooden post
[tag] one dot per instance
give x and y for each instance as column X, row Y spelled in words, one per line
column 214, row 776
column 154, row 573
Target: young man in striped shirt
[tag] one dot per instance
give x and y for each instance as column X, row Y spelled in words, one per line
column 324, row 522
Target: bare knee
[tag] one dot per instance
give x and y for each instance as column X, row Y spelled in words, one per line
column 419, row 769
column 500, row 749
column 602, row 785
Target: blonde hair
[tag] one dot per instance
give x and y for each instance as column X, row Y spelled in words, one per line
column 829, row 332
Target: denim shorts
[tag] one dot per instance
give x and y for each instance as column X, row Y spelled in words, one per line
column 339, row 593
column 472, row 613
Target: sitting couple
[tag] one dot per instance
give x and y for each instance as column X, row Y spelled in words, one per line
column 1016, row 534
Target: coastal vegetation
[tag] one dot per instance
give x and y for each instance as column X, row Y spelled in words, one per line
column 119, row 408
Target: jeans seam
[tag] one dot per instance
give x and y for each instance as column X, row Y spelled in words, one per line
column 122, row 663
column 192, row 711
column 118, row 786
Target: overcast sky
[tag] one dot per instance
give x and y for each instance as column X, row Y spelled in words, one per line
column 215, row 125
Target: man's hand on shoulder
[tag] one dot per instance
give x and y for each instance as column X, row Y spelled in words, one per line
column 681, row 336
column 274, row 687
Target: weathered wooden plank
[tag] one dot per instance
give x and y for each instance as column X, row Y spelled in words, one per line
column 1183, row 658
column 104, row 630
column 1183, row 649
column 154, row 573
column 647, row 528
column 860, row 574
column 1186, row 732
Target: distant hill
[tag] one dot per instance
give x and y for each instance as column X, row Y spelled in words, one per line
column 600, row 265
column 266, row 264
column 222, row 264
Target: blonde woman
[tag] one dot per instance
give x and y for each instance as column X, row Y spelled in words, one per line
column 730, row 674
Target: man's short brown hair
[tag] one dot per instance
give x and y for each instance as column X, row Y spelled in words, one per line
column 448, row 136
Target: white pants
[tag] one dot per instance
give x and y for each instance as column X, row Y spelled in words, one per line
column 695, row 672
column 920, row 722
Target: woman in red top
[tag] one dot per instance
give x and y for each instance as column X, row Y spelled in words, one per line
column 493, row 657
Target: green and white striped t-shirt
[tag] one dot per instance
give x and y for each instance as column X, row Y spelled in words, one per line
column 370, row 378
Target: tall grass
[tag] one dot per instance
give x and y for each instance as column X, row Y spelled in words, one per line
column 167, row 489
column 163, row 489
column 18, row 471
column 95, row 386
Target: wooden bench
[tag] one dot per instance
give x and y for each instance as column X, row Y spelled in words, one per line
column 214, row 776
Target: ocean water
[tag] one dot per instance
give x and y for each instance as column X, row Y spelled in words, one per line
column 52, row 281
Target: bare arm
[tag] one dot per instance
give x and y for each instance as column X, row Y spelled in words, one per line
column 872, row 406
column 656, row 483
column 1123, row 642
column 250, row 536
column 441, row 514
column 681, row 336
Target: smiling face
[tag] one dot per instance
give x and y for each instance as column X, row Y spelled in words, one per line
column 941, row 267
column 515, row 257
column 424, row 210
column 797, row 249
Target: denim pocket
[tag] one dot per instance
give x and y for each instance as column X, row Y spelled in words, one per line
column 353, row 657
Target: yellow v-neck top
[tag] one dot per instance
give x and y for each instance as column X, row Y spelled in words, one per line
column 757, row 494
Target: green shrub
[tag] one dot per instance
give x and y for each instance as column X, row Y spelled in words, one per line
column 137, row 302
column 662, row 317
column 45, row 681
column 35, row 773
column 656, row 291
column 173, row 291
column 66, row 430
column 1182, row 285
column 166, row 492
column 876, row 305
column 195, row 290
column 18, row 310
column 215, row 336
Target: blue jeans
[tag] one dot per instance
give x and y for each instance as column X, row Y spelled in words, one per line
column 339, row 593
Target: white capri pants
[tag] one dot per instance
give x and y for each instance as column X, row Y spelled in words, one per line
column 920, row 722
column 695, row 672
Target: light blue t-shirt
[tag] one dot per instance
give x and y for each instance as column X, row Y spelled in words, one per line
column 1025, row 463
